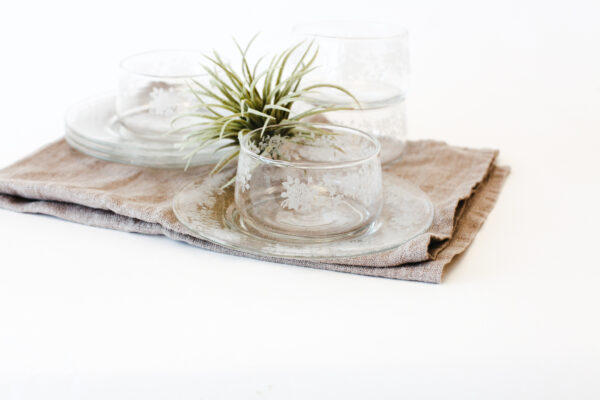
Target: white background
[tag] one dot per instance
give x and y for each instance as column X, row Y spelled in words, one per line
column 87, row 313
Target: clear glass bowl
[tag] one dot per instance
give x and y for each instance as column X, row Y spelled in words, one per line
column 154, row 87
column 131, row 126
column 321, row 186
column 371, row 61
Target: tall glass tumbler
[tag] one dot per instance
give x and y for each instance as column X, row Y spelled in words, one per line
column 371, row 61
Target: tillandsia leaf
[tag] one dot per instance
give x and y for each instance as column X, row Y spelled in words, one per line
column 316, row 111
column 276, row 107
column 245, row 66
column 233, row 103
column 225, row 160
column 336, row 87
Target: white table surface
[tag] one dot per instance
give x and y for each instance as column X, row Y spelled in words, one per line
column 88, row 313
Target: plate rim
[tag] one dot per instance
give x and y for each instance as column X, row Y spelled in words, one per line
column 135, row 153
column 256, row 252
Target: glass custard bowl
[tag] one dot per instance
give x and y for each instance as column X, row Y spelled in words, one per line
column 316, row 182
column 154, row 88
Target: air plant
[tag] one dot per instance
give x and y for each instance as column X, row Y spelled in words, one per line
column 236, row 103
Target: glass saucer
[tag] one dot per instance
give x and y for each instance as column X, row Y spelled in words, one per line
column 93, row 128
column 209, row 212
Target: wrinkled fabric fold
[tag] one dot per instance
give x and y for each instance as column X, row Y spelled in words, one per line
column 462, row 183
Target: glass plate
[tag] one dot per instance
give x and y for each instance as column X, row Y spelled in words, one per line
column 93, row 128
column 210, row 213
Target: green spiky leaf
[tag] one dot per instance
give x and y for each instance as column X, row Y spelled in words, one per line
column 253, row 99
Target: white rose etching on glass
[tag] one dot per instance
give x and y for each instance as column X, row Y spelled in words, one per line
column 360, row 186
column 298, row 196
column 244, row 176
column 168, row 102
column 210, row 190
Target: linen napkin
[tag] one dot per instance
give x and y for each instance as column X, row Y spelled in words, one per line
column 463, row 184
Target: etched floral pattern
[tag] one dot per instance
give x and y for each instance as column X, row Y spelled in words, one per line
column 163, row 102
column 243, row 176
column 168, row 102
column 209, row 191
column 299, row 195
column 361, row 185
column 274, row 146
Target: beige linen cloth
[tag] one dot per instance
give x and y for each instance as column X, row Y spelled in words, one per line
column 463, row 184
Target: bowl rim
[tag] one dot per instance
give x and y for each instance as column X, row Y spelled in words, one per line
column 314, row 164
column 123, row 63
column 310, row 29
